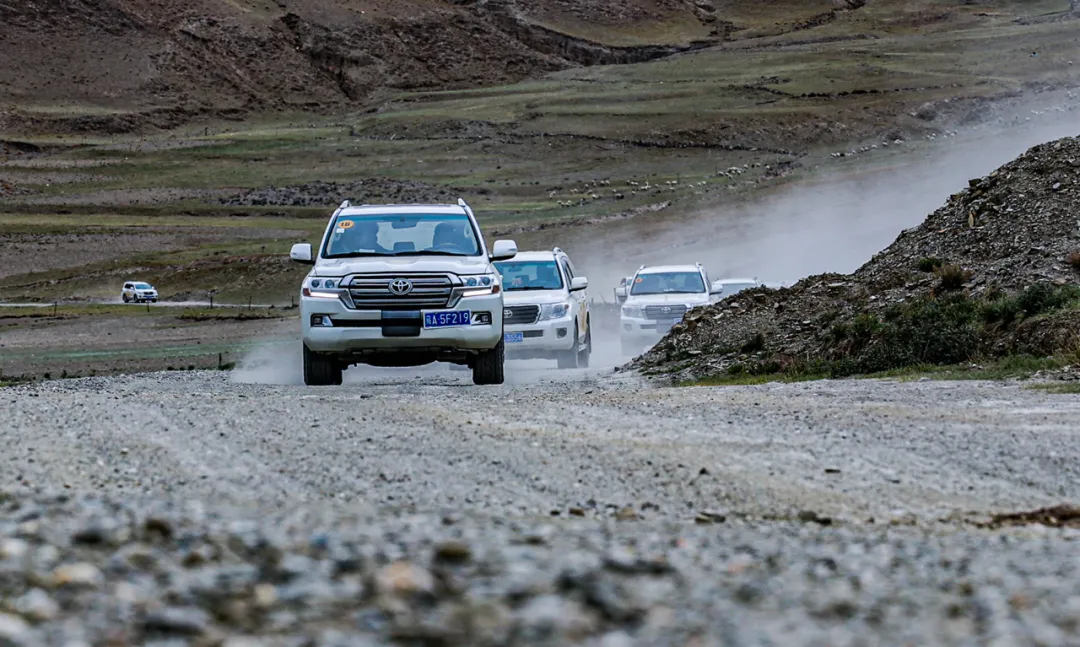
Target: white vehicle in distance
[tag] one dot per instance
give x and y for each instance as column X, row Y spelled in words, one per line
column 546, row 311
column 724, row 288
column 138, row 292
column 402, row 285
column 657, row 298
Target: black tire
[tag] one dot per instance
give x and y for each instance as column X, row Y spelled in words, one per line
column 488, row 366
column 125, row 298
column 583, row 356
column 571, row 358
column 320, row 371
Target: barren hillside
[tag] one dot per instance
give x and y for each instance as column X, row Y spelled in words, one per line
column 122, row 65
column 113, row 65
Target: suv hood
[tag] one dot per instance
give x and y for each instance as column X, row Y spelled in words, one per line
column 337, row 267
column 539, row 297
column 694, row 299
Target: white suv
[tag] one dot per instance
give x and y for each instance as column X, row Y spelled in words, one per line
column 546, row 312
column 402, row 285
column 137, row 291
column 656, row 299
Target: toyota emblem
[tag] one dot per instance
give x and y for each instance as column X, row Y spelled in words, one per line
column 400, row 287
column 508, row 314
column 665, row 309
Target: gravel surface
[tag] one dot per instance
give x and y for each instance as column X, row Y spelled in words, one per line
column 565, row 508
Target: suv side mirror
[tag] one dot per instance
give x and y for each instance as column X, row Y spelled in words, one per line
column 620, row 292
column 301, row 253
column 578, row 283
column 504, row 250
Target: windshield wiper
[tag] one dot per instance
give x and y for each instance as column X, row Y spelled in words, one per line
column 353, row 255
column 528, row 288
column 427, row 253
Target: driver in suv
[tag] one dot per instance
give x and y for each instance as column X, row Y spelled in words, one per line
column 402, row 285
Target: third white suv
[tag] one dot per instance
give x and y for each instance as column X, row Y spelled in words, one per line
column 546, row 312
column 656, row 299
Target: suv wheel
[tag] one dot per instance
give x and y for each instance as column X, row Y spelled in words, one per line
column 487, row 367
column 570, row 358
column 583, row 356
column 125, row 298
column 320, row 371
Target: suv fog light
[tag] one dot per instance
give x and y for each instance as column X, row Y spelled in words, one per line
column 560, row 332
column 481, row 318
column 321, row 321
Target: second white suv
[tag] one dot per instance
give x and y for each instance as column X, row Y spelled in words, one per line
column 656, row 299
column 546, row 311
column 402, row 285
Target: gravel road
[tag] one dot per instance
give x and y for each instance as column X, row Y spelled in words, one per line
column 566, row 508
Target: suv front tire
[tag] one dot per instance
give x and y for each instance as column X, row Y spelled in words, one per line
column 320, row 370
column 488, row 366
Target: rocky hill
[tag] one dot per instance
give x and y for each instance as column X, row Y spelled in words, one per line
column 994, row 271
column 116, row 65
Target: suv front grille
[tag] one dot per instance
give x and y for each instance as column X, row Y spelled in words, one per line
column 428, row 292
column 513, row 315
column 664, row 312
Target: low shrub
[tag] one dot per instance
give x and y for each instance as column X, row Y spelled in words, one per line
column 952, row 277
column 929, row 264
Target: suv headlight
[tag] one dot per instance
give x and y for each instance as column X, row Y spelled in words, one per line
column 633, row 312
column 554, row 311
column 320, row 288
column 480, row 285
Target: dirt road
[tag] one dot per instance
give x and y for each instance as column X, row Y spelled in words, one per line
column 564, row 508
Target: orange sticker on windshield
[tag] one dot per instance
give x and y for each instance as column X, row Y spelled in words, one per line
column 344, row 224
column 638, row 280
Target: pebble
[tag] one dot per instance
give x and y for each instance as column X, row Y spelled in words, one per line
column 14, row 631
column 78, row 575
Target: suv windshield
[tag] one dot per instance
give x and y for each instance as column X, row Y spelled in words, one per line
column 143, row 286
column 668, row 283
column 734, row 288
column 402, row 235
column 530, row 275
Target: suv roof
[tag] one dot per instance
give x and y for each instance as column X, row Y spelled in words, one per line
column 348, row 208
column 402, row 208
column 660, row 269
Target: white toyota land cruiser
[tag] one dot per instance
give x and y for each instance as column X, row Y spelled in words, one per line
column 546, row 313
column 656, row 299
column 402, row 285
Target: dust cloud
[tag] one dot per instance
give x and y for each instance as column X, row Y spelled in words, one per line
column 832, row 225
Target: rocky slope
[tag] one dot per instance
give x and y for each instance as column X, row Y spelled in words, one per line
column 122, row 65
column 994, row 271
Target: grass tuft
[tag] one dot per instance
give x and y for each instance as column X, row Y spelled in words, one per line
column 1073, row 259
column 952, row 277
column 930, row 264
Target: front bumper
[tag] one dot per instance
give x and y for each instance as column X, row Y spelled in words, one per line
column 357, row 331
column 644, row 331
column 541, row 339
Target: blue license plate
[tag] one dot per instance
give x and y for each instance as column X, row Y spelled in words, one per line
column 447, row 319
column 513, row 337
